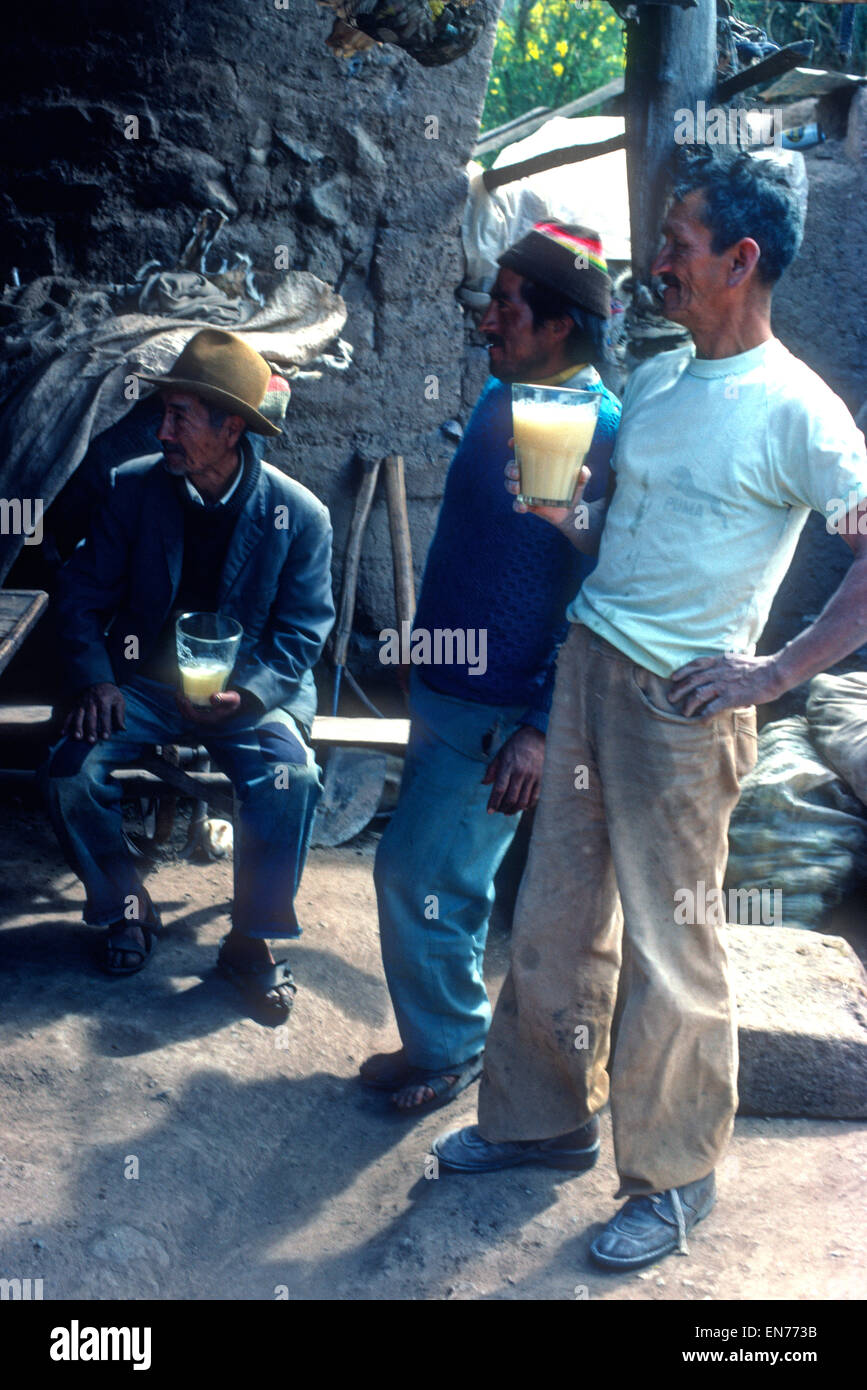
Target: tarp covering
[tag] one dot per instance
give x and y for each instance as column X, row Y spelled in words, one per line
column 68, row 376
column 592, row 193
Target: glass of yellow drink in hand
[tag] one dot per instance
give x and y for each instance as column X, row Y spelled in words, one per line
column 553, row 429
column 207, row 645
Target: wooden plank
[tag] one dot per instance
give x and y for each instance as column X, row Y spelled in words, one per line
column 24, row 716
column 521, row 127
column 810, row 82
column 773, row 66
column 352, row 559
column 401, row 541
column 554, row 159
column 19, row 611
column 670, row 65
column 336, row 730
column 515, row 123
column 373, row 733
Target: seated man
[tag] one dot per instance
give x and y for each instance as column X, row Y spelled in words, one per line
column 203, row 527
column 478, row 728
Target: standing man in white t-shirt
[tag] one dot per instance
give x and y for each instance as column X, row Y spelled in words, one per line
column 722, row 452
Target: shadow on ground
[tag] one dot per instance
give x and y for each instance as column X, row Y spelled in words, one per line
column 156, row 1142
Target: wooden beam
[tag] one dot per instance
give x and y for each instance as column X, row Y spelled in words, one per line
column 19, row 611
column 554, row 159
column 670, row 65
column 523, row 126
column 328, row 730
column 811, row 82
column 792, row 56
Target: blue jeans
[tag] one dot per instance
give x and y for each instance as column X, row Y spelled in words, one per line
column 276, row 782
column 434, row 876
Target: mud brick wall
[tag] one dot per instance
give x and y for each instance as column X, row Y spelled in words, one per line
column 819, row 313
column 241, row 106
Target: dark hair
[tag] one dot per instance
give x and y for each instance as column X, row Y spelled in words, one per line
column 587, row 338
column 744, row 197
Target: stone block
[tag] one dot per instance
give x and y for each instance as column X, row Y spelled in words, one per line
column 802, row 1023
column 856, row 135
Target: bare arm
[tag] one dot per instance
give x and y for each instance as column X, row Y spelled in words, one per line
column 712, row 684
column 581, row 523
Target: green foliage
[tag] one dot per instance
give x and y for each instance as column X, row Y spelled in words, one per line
column 549, row 52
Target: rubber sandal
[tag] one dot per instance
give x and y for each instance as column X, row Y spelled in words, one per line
column 254, row 986
column 444, row 1091
column 148, row 930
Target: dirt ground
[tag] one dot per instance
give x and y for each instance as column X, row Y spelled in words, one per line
column 157, row 1143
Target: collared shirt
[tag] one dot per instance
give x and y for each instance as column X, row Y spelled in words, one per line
column 196, row 496
column 581, row 371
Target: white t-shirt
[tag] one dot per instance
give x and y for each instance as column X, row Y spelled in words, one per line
column 718, row 465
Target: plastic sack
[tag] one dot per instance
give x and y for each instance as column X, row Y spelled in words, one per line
column 797, row 827
column 837, row 716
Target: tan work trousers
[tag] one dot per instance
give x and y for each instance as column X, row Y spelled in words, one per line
column 632, row 819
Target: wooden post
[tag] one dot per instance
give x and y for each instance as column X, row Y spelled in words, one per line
column 670, row 64
column 401, row 545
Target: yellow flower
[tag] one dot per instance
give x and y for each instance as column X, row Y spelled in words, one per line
column 558, row 69
column 533, row 49
column 562, row 48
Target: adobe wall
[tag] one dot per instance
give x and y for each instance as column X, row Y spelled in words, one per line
column 243, row 108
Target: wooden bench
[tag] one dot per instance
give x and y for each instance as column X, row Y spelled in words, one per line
column 34, row 724
column 20, row 610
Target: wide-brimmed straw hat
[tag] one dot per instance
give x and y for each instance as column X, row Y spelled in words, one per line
column 223, row 370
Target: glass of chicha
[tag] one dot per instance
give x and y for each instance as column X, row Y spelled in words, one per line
column 207, row 645
column 553, row 429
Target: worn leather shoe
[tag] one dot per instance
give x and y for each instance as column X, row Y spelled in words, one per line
column 467, row 1152
column 647, row 1228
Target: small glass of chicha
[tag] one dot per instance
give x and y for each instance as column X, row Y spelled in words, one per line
column 553, row 429
column 207, row 645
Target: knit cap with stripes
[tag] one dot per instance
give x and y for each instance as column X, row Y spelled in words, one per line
column 565, row 257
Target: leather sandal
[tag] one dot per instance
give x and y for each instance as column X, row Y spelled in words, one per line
column 110, row 942
column 391, row 1072
column 255, row 985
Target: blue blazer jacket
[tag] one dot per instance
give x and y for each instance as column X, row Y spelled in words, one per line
column 276, row 581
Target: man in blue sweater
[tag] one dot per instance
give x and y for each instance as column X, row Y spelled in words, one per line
column 478, row 724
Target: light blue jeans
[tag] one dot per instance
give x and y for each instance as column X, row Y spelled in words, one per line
column 276, row 782
column 434, row 876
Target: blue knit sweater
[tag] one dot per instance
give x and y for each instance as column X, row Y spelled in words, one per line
column 513, row 574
